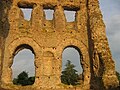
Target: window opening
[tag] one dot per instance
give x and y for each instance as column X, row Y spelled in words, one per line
column 73, row 55
column 70, row 15
column 49, row 14
column 27, row 12
column 23, row 68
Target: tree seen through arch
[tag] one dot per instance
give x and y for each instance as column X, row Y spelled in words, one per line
column 23, row 62
column 72, row 56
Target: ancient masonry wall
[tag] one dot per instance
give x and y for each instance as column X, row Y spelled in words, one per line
column 48, row 38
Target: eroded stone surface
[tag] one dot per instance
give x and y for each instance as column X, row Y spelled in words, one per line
column 48, row 38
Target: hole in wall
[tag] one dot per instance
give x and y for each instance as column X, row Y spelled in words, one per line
column 37, row 77
column 23, row 68
column 27, row 12
column 49, row 14
column 70, row 15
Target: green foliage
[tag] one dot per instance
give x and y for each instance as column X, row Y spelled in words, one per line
column 69, row 75
column 15, row 81
column 23, row 79
column 118, row 75
column 31, row 80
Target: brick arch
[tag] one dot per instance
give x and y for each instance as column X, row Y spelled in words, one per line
column 85, row 55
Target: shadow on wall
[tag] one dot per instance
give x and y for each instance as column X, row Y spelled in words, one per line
column 5, row 6
column 96, row 82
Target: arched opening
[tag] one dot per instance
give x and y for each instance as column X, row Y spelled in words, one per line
column 23, row 68
column 73, row 54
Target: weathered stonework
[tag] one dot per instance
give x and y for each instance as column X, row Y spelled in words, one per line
column 48, row 38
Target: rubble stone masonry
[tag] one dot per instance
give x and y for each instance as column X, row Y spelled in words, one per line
column 48, row 38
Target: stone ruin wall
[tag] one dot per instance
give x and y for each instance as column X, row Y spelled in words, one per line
column 48, row 38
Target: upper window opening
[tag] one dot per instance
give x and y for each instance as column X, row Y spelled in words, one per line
column 27, row 13
column 23, row 68
column 70, row 15
column 49, row 14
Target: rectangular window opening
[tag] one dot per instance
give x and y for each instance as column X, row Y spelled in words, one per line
column 49, row 14
column 70, row 15
column 27, row 12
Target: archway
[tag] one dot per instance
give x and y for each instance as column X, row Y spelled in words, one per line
column 73, row 54
column 23, row 62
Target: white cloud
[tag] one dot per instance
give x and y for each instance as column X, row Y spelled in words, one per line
column 110, row 10
column 113, row 33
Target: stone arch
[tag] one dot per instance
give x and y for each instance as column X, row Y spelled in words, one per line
column 78, row 50
column 75, row 57
column 23, row 53
column 22, row 43
column 23, row 46
column 85, row 56
column 13, row 48
column 75, row 47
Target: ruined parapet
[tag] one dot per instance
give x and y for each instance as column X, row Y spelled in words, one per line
column 48, row 38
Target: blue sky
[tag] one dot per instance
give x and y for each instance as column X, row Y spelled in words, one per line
column 111, row 17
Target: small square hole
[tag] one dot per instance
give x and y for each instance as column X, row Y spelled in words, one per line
column 27, row 13
column 70, row 15
column 49, row 14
